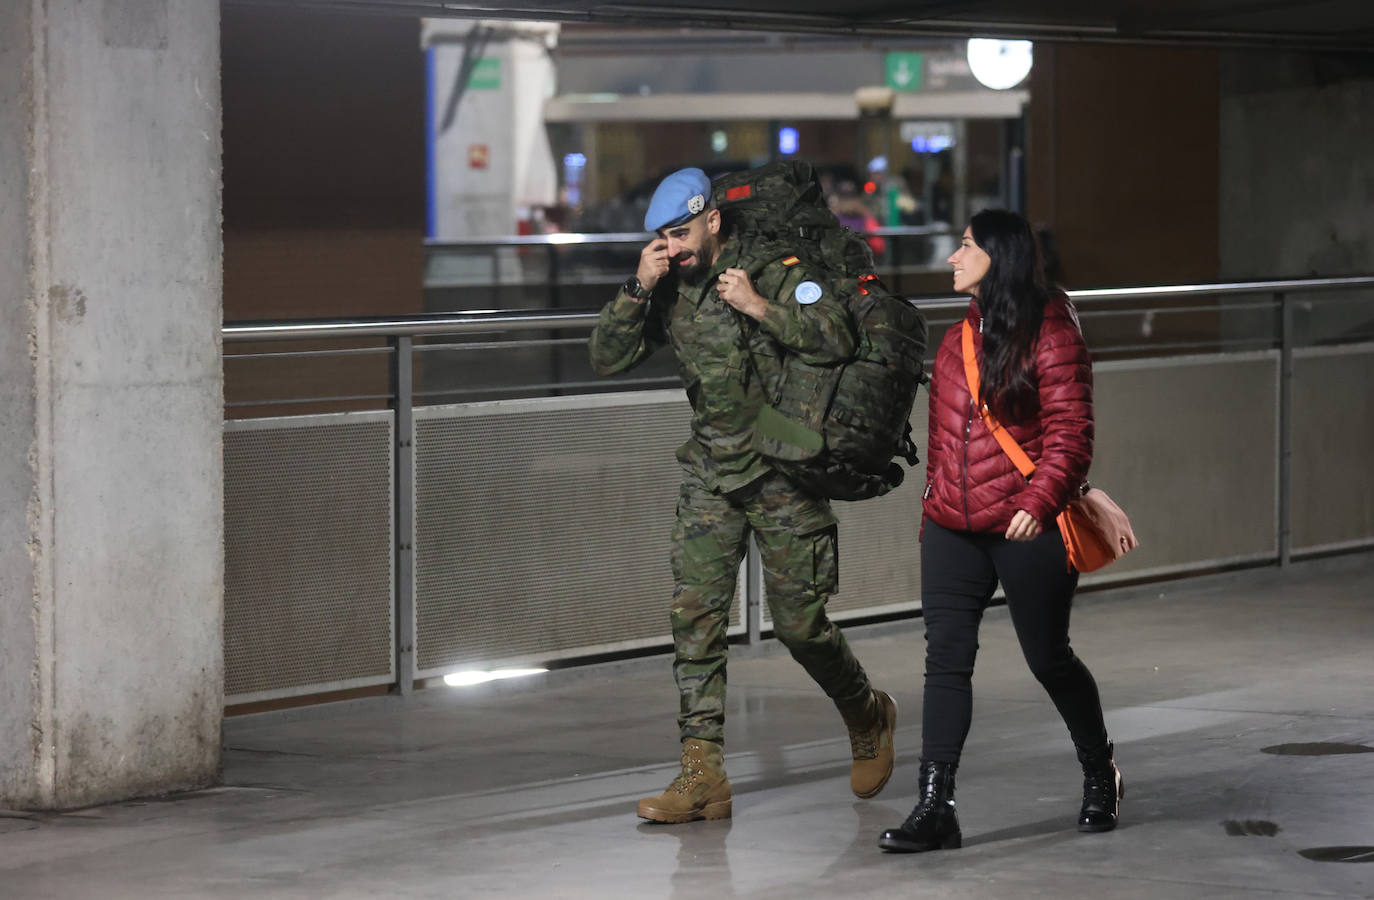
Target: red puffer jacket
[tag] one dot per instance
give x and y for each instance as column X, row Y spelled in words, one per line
column 971, row 484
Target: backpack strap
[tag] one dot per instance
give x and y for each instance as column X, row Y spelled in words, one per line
column 1008, row 443
column 754, row 262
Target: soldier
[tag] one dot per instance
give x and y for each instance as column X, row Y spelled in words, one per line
column 693, row 290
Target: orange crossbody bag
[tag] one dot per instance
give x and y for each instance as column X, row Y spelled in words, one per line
column 1094, row 528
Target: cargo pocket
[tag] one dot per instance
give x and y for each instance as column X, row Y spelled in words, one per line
column 826, row 559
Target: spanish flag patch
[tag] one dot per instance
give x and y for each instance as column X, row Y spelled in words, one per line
column 790, row 261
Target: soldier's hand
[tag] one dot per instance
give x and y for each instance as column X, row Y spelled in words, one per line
column 736, row 289
column 653, row 263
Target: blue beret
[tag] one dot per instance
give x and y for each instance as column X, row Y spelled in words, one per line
column 679, row 197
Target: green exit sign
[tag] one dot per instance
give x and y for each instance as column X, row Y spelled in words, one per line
column 486, row 75
column 904, row 71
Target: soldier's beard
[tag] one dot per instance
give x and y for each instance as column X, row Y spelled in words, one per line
column 694, row 273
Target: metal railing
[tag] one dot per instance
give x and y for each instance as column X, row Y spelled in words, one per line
column 1119, row 323
column 487, row 322
column 1262, row 320
column 562, row 269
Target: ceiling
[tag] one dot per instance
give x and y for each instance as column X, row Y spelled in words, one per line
column 1338, row 25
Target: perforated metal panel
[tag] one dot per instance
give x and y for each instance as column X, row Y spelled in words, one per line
column 308, row 529
column 1333, row 448
column 1188, row 447
column 543, row 526
column 880, row 557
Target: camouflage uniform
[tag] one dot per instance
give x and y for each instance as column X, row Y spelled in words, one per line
column 728, row 490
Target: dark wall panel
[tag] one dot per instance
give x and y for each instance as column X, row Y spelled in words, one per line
column 1124, row 161
column 323, row 164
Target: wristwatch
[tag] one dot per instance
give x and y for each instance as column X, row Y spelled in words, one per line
column 635, row 289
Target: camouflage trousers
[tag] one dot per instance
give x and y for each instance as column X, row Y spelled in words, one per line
column 795, row 534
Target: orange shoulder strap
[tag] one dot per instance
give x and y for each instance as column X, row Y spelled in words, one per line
column 1009, row 446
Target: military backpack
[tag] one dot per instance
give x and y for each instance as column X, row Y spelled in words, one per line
column 834, row 430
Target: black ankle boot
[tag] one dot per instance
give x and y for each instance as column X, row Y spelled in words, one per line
column 933, row 824
column 1103, row 789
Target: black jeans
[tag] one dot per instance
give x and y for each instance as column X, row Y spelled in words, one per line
column 959, row 572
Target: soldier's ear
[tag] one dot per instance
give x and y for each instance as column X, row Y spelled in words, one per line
column 713, row 221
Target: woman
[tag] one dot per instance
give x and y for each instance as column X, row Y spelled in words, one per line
column 985, row 523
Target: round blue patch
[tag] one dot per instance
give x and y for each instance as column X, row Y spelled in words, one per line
column 808, row 292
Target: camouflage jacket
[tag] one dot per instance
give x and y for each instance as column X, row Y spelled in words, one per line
column 725, row 387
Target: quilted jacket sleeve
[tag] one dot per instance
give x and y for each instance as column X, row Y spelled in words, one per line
column 1064, row 372
column 934, row 432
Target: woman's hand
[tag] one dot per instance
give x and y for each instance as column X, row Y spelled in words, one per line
column 1023, row 527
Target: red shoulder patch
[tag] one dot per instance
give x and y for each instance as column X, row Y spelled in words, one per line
column 791, row 261
column 740, row 192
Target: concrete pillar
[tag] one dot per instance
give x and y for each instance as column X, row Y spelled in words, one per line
column 111, row 530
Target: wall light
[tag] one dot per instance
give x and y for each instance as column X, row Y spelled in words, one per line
column 999, row 64
column 478, row 676
column 788, row 141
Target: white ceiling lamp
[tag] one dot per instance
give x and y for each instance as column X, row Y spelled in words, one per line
column 999, row 64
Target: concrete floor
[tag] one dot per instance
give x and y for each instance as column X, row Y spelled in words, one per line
column 528, row 789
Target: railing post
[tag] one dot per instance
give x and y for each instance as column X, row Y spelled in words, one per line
column 896, row 261
column 555, row 286
column 1285, row 429
column 753, row 593
column 555, row 301
column 403, row 398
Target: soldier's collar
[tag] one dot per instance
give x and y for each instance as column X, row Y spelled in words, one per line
column 728, row 259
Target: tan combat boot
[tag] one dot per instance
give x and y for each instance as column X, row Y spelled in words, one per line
column 871, row 723
column 700, row 791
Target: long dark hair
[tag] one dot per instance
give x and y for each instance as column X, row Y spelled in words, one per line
column 1012, row 298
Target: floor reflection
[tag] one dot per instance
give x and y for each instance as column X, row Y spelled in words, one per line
column 703, row 863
